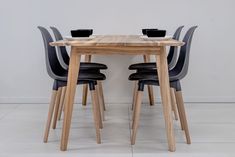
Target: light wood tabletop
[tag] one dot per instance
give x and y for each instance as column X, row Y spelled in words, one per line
column 122, row 45
column 118, row 40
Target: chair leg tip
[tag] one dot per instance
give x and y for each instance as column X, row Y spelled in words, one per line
column 189, row 142
column 132, row 141
column 172, row 150
column 62, row 149
column 101, row 126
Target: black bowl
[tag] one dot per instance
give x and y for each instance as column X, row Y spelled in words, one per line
column 144, row 31
column 156, row 33
column 81, row 32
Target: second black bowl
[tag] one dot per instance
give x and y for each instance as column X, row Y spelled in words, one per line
column 81, row 32
column 144, row 31
column 156, row 33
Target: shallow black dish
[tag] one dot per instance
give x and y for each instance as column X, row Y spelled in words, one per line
column 81, row 32
column 144, row 31
column 156, row 33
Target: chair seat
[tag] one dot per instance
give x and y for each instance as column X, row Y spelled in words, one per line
column 151, row 78
column 91, row 76
column 150, row 65
column 91, row 65
column 83, row 78
column 151, row 75
column 143, row 76
column 84, row 75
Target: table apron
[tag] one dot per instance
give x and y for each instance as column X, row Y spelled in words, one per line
column 117, row 50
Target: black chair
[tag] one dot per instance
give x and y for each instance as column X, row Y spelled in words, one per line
column 171, row 58
column 175, row 75
column 59, row 75
column 64, row 60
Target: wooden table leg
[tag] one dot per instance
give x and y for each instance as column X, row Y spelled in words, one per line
column 70, row 94
column 162, row 69
column 150, row 88
column 85, row 87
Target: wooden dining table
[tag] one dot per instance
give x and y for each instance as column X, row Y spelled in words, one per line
column 118, row 45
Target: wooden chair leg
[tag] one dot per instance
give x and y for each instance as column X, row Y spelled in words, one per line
column 137, row 116
column 50, row 114
column 180, row 103
column 101, row 94
column 134, row 95
column 173, row 103
column 99, row 112
column 100, row 100
column 85, row 86
column 134, row 110
column 84, row 95
column 95, row 115
column 62, row 98
column 150, row 88
column 57, row 104
column 151, row 97
column 179, row 112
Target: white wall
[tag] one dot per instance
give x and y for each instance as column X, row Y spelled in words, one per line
column 22, row 67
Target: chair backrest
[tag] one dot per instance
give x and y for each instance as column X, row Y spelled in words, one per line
column 62, row 52
column 173, row 53
column 53, row 66
column 182, row 64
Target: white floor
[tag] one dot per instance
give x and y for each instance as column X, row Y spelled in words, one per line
column 212, row 128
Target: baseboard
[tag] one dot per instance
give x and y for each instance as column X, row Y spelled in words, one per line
column 113, row 100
